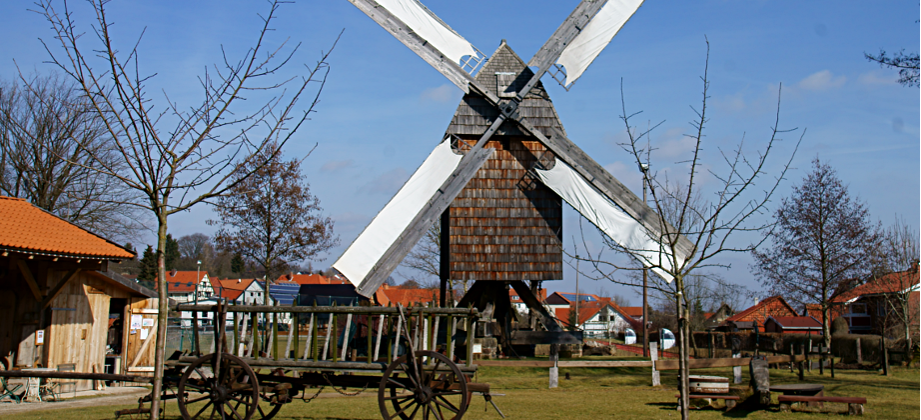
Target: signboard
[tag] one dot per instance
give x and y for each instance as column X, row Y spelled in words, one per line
column 39, row 337
column 136, row 321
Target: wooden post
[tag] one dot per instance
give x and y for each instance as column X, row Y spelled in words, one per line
column 257, row 341
column 709, row 343
column 273, row 344
column 345, row 336
column 654, row 355
column 450, row 325
column 859, row 351
column 369, row 325
column 334, row 336
column 380, row 330
column 241, row 348
column 555, row 370
column 296, row 330
column 792, row 356
column 310, row 339
column 821, row 360
column 802, row 363
column 832, row 365
column 470, row 337
column 236, row 332
column 396, row 338
column 736, row 370
column 884, row 355
column 808, row 353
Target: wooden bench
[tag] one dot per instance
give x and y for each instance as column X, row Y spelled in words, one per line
column 730, row 399
column 854, row 404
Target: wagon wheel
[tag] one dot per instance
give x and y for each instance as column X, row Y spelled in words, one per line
column 270, row 401
column 231, row 394
column 437, row 390
column 265, row 410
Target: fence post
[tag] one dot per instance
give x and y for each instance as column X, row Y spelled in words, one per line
column 802, row 349
column 792, row 357
column 831, row 355
column 859, row 352
column 884, row 355
column 736, row 370
column 654, row 355
column 808, row 352
column 555, row 370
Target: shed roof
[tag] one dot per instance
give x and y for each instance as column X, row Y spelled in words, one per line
column 796, row 322
column 29, row 229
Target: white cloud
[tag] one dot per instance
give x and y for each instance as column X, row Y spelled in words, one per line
column 877, row 77
column 440, row 94
column 335, row 165
column 387, row 183
column 821, row 80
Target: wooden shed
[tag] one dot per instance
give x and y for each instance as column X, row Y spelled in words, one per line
column 60, row 304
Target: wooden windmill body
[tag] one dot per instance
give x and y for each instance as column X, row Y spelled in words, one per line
column 498, row 190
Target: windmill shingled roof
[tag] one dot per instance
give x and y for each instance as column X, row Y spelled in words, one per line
column 475, row 114
column 28, row 228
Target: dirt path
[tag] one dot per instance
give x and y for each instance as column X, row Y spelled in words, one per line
column 124, row 396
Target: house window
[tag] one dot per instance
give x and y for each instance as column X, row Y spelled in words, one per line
column 881, row 310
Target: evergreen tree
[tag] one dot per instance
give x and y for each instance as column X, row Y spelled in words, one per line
column 172, row 252
column 237, row 264
column 148, row 266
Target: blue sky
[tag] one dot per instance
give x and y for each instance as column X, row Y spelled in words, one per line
column 384, row 109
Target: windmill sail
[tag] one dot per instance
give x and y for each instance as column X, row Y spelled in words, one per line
column 609, row 218
column 376, row 239
column 580, row 53
column 429, row 27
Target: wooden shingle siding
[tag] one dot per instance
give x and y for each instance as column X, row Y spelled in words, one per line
column 505, row 225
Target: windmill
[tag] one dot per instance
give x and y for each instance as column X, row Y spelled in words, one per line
column 497, row 179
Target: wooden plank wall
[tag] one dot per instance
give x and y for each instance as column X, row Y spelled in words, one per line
column 505, row 225
column 79, row 324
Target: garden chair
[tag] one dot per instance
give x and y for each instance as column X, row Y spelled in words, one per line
column 9, row 391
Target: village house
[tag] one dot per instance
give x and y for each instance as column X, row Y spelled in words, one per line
column 183, row 285
column 873, row 307
column 754, row 317
column 61, row 306
column 597, row 316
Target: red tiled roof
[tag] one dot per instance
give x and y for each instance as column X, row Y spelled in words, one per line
column 889, row 283
column 588, row 309
column 763, row 309
column 229, row 294
column 24, row 227
column 186, row 280
column 796, row 322
column 634, row 311
column 542, row 295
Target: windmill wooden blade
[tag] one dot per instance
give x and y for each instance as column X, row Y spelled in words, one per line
column 425, row 34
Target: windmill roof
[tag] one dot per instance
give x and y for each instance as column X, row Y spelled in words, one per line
column 27, row 228
column 475, row 114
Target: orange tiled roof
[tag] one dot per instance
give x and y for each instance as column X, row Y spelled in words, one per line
column 408, row 297
column 889, row 283
column 542, row 295
column 772, row 306
column 232, row 284
column 24, row 227
column 303, row 279
column 183, row 281
column 634, row 311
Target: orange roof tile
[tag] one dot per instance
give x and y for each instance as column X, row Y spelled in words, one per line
column 26, row 228
column 634, row 311
column 408, row 296
column 772, row 306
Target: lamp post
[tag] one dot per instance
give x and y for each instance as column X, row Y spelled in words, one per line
column 644, row 169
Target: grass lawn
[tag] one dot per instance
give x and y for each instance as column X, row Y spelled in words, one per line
column 600, row 393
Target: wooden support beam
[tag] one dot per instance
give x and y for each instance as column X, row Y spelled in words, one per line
column 60, row 286
column 74, row 375
column 545, row 337
column 524, row 292
column 30, row 280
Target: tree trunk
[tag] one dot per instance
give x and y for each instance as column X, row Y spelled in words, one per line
column 683, row 384
column 163, row 311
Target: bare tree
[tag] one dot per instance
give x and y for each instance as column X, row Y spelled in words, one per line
column 271, row 218
column 195, row 159
column 822, row 243
column 715, row 227
column 899, row 278
column 425, row 258
column 907, row 64
column 193, row 247
column 41, row 162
